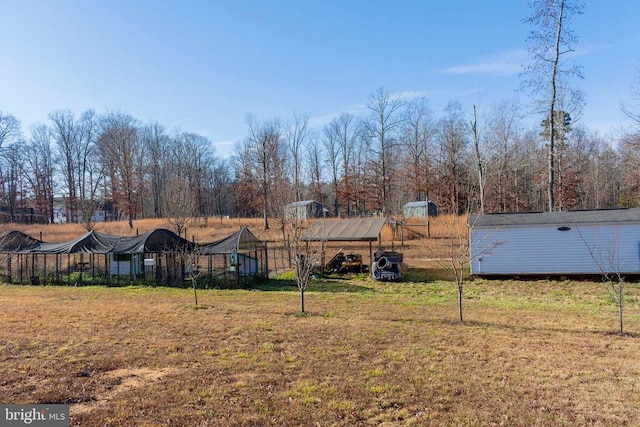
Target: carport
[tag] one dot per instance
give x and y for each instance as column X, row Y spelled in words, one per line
column 347, row 230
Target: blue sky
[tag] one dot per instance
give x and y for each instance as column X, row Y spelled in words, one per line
column 202, row 66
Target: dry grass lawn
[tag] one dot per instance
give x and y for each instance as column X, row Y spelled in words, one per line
column 530, row 353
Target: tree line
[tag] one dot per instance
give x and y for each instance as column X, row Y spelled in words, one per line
column 397, row 152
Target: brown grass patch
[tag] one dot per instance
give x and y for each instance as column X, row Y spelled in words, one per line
column 531, row 353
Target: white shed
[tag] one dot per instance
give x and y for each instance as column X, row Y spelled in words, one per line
column 590, row 242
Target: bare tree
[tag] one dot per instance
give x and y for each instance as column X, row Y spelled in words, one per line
column 316, row 176
column 383, row 132
column 123, row 155
column 452, row 172
column 221, row 187
column 9, row 129
column 306, row 255
column 265, row 148
column 180, row 204
column 457, row 256
column 296, row 135
column 417, row 137
column 331, row 146
column 39, row 169
column 156, row 141
column 479, row 159
column 90, row 173
column 550, row 41
column 246, row 186
column 67, row 135
column 632, row 108
column 604, row 254
column 505, row 151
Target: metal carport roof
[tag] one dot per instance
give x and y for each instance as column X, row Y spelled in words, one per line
column 345, row 230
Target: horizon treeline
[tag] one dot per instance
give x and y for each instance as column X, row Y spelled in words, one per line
column 371, row 164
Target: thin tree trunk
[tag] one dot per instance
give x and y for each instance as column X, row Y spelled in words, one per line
column 552, row 104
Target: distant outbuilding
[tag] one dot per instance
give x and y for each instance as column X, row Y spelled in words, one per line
column 571, row 243
column 420, row 209
column 305, row 209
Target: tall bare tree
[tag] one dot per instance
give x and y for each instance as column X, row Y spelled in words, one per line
column 67, row 135
column 315, row 170
column 265, row 148
column 39, row 169
column 123, row 155
column 550, row 42
column 90, row 172
column 417, row 138
column 156, row 142
column 632, row 107
column 9, row 129
column 10, row 138
column 383, row 135
column 341, row 139
column 246, row 186
column 296, row 134
column 452, row 172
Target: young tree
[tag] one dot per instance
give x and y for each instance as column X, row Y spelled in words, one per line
column 604, row 253
column 306, row 254
column 550, row 41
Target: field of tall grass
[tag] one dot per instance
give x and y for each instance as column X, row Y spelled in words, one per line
column 206, row 229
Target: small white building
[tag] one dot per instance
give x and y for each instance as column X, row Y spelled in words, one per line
column 591, row 242
column 305, row 209
column 420, row 209
column 123, row 264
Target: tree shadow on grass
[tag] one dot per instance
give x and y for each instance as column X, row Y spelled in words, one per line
column 534, row 328
column 319, row 285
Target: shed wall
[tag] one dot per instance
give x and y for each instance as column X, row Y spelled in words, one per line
column 584, row 249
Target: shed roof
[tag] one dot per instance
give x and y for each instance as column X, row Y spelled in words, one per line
column 556, row 217
column 241, row 241
column 357, row 229
column 418, row 204
column 303, row 203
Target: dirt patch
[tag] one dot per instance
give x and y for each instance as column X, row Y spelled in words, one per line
column 125, row 379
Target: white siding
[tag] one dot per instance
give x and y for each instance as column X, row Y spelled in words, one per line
column 543, row 249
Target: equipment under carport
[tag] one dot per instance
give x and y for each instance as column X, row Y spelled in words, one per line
column 345, row 263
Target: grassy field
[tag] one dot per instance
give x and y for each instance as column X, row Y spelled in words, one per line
column 366, row 353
